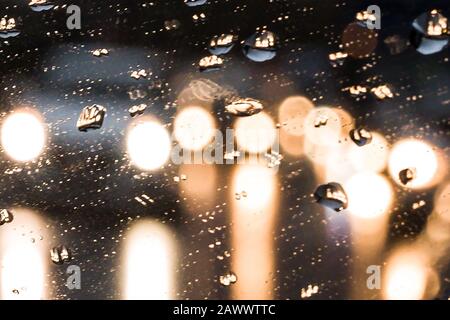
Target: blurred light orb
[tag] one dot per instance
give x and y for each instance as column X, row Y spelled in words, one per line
column 412, row 153
column 406, row 277
column 194, row 128
column 442, row 203
column 372, row 157
column 292, row 113
column 23, row 136
column 148, row 145
column 323, row 126
column 369, row 195
column 255, row 134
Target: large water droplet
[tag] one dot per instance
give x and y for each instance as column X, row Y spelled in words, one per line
column 430, row 32
column 244, row 107
column 360, row 136
column 407, row 175
column 91, row 118
column 332, row 195
column 222, row 44
column 261, row 46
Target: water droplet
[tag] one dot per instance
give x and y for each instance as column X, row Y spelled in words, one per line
column 210, row 63
column 321, row 120
column 8, row 28
column 194, row 3
column 228, row 278
column 337, row 58
column 244, row 107
column 360, row 136
column 261, row 46
column 139, row 74
column 222, row 44
column 332, row 195
column 137, row 109
column 273, row 159
column 407, row 175
column 173, row 24
column 6, row 216
column 430, row 32
column 382, row 92
column 91, row 117
column 41, row 5
column 100, row 52
column 60, row 254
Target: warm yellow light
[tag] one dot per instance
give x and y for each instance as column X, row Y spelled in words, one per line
column 371, row 157
column 255, row 182
column 23, row 136
column 253, row 220
column 149, row 263
column 417, row 155
column 22, row 261
column 369, row 195
column 406, row 277
column 292, row 113
column 194, row 128
column 148, row 145
column 442, row 203
column 323, row 126
column 255, row 134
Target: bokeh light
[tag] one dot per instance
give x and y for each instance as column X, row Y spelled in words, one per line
column 194, row 128
column 417, row 155
column 23, row 136
column 255, row 134
column 148, row 145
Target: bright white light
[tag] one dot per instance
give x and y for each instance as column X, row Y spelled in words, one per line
column 23, row 136
column 413, row 154
column 22, row 261
column 193, row 128
column 369, row 195
column 150, row 256
column 255, row 134
column 148, row 145
column 406, row 277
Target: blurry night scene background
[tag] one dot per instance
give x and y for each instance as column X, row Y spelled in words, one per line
column 310, row 74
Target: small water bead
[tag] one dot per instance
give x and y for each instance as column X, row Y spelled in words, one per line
column 382, row 92
column 60, row 254
column 244, row 107
column 8, row 28
column 332, row 195
column 137, row 109
column 407, row 175
column 139, row 74
column 337, row 58
column 195, row 3
column 360, row 136
column 6, row 216
column 261, row 46
column 222, row 44
column 210, row 63
column 228, row 279
column 41, row 5
column 91, row 118
column 100, row 52
column 430, row 32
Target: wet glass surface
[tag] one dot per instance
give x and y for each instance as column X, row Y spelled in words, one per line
column 91, row 118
